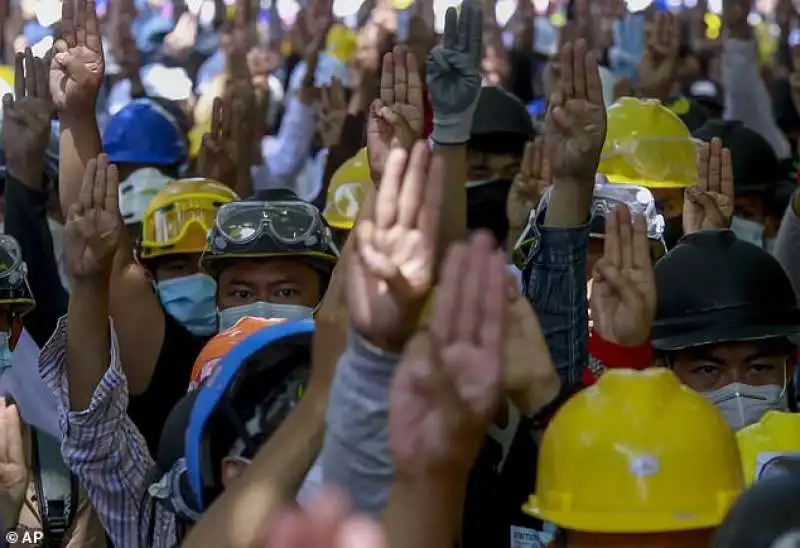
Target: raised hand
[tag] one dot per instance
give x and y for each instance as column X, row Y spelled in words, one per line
column 215, row 160
column 453, row 73
column 623, row 300
column 659, row 62
column 327, row 522
column 26, row 120
column 14, row 471
column 576, row 116
column 709, row 204
column 529, row 184
column 331, row 113
column 396, row 118
column 530, row 378
column 92, row 232
column 393, row 261
column 449, row 381
column 77, row 69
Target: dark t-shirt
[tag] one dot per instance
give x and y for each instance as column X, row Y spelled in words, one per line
column 170, row 381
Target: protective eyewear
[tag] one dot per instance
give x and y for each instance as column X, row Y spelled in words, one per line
column 11, row 266
column 290, row 223
column 169, row 225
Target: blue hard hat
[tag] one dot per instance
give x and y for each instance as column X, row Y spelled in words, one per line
column 144, row 132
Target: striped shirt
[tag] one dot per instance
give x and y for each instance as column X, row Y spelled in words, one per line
column 103, row 448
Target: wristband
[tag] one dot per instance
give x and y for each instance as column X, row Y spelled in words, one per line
column 604, row 355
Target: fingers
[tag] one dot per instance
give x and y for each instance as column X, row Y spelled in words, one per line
column 619, row 283
column 19, row 75
column 531, row 157
column 445, row 310
column 8, row 104
column 702, row 166
column 80, row 22
column 111, row 202
column 67, row 23
column 412, row 193
column 99, row 190
column 491, row 334
column 92, row 28
column 611, row 249
column 714, row 166
column 42, row 84
column 710, row 208
column 415, row 93
column 87, row 187
column 475, row 44
column 468, row 321
column 640, row 244
column 726, row 177
column 566, row 82
column 387, row 80
column 400, row 75
column 625, row 231
column 216, row 118
column 389, row 190
column 594, row 86
column 450, row 38
column 30, row 72
column 464, row 17
column 579, row 70
column 4, row 431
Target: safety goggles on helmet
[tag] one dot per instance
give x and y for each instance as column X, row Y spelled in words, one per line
column 14, row 289
column 290, row 223
column 168, row 225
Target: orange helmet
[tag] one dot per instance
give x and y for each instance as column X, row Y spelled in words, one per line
column 221, row 343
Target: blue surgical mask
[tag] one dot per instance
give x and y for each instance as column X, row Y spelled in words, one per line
column 748, row 231
column 5, row 352
column 263, row 309
column 192, row 301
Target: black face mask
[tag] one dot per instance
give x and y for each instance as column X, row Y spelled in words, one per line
column 486, row 208
column 673, row 230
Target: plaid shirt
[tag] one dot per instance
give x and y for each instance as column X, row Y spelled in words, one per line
column 105, row 451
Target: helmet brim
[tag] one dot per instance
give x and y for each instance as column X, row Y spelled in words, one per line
column 725, row 334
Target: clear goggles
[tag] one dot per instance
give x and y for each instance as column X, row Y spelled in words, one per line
column 290, row 223
column 168, row 225
column 11, row 265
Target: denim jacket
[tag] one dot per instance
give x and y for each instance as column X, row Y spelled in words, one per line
column 554, row 281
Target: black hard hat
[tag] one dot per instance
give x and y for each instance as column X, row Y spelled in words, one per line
column 713, row 288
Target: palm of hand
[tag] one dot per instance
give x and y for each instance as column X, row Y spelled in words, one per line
column 430, row 432
column 404, row 249
column 77, row 90
column 453, row 80
column 381, row 134
column 654, row 72
column 31, row 135
column 695, row 217
column 567, row 148
column 91, row 242
column 619, row 320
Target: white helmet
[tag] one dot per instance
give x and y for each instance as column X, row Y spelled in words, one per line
column 136, row 191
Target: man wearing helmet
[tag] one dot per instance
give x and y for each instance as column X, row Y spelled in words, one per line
column 270, row 258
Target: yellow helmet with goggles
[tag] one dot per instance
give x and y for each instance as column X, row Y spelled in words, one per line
column 179, row 217
column 15, row 293
column 647, row 145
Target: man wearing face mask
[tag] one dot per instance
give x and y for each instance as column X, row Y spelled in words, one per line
column 501, row 126
column 270, row 258
column 169, row 295
column 726, row 310
column 757, row 178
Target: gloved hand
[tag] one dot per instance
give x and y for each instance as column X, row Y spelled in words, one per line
column 454, row 78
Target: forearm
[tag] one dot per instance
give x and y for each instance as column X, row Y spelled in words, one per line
column 425, row 512
column 453, row 220
column 569, row 204
column 88, row 339
column 274, row 477
column 79, row 142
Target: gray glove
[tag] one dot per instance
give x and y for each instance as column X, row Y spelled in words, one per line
column 454, row 78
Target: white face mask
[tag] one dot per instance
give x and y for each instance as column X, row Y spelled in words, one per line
column 743, row 404
column 748, row 231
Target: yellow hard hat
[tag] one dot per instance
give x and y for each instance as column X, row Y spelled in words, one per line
column 7, row 74
column 347, row 191
column 777, row 433
column 341, row 43
column 648, row 145
column 179, row 217
column 636, row 453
